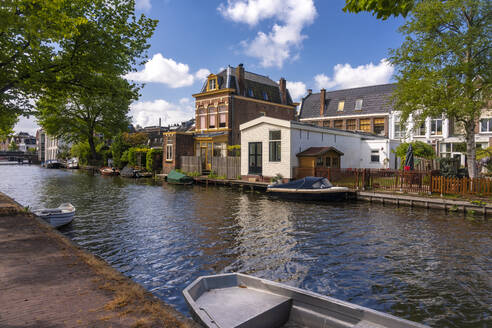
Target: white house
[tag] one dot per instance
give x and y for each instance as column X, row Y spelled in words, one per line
column 270, row 146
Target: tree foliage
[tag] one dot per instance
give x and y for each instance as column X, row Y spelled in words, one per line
column 13, row 146
column 444, row 65
column 383, row 9
column 137, row 139
column 419, row 148
column 53, row 45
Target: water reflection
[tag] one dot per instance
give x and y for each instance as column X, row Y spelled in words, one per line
column 422, row 265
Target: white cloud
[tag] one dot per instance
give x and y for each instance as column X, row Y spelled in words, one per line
column 28, row 125
column 202, row 74
column 276, row 46
column 296, row 89
column 147, row 113
column 167, row 71
column 143, row 5
column 345, row 76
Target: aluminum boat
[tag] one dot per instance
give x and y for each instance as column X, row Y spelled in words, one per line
column 238, row 300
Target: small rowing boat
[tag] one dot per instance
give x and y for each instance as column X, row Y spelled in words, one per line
column 237, row 300
column 109, row 171
column 309, row 188
column 59, row 216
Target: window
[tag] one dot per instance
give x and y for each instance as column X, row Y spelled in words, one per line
column 351, row 125
column 358, row 104
column 222, row 116
column 341, row 104
column 338, row 124
column 319, row 161
column 251, row 93
column 486, row 125
column 169, row 150
column 275, row 146
column 420, row 130
column 203, row 122
column 326, row 124
column 397, row 129
column 436, row 127
column 328, row 161
column 212, row 84
column 220, row 150
column 265, row 95
column 365, row 125
column 212, row 117
column 375, row 156
column 379, row 126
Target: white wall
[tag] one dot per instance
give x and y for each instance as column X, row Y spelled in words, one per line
column 261, row 133
column 296, row 138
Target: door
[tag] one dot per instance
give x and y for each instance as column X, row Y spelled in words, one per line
column 254, row 158
column 206, row 154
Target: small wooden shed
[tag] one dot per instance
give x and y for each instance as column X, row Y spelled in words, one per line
column 319, row 157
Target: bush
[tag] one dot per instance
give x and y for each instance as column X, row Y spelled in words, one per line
column 152, row 159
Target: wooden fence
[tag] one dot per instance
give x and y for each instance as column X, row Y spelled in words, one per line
column 191, row 164
column 230, row 167
column 463, row 186
column 398, row 180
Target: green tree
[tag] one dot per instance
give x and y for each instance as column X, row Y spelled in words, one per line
column 54, row 44
column 383, row 9
column 444, row 65
column 137, row 139
column 84, row 114
column 118, row 148
column 13, row 146
column 420, row 149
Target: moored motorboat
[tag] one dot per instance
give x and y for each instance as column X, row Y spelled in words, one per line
column 59, row 216
column 109, row 171
column 309, row 188
column 238, row 300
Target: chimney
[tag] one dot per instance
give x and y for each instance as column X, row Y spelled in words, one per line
column 159, row 122
column 310, row 91
column 322, row 103
column 283, row 90
column 240, row 79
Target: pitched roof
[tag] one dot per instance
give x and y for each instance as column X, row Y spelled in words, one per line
column 260, row 85
column 317, row 151
column 375, row 100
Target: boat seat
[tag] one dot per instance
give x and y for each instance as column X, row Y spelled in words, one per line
column 245, row 307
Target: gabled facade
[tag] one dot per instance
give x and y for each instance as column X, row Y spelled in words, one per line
column 230, row 98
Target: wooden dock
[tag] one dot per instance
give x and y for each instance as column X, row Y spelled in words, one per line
column 448, row 205
column 241, row 184
column 47, row 281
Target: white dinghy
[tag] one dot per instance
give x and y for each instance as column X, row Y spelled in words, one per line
column 59, row 216
column 238, row 300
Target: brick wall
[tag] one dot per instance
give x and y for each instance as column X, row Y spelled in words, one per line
column 244, row 111
column 183, row 145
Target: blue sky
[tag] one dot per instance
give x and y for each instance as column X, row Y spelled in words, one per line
column 313, row 44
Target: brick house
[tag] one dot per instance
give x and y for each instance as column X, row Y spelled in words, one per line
column 364, row 109
column 227, row 100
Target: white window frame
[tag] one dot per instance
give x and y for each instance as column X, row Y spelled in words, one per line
column 277, row 143
column 341, row 105
column 169, row 152
column 358, row 104
column 489, row 125
column 434, row 133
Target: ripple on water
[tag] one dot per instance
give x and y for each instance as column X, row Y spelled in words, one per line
column 422, row 265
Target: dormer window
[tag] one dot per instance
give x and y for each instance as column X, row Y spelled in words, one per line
column 212, row 83
column 341, row 104
column 358, row 104
column 250, row 92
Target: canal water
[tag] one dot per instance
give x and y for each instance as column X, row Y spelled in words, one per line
column 423, row 265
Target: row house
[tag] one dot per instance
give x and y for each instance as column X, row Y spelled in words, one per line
column 227, row 100
column 365, row 109
column 369, row 109
column 23, row 140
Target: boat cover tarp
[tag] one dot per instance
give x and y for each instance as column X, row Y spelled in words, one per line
column 306, row 183
column 176, row 177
